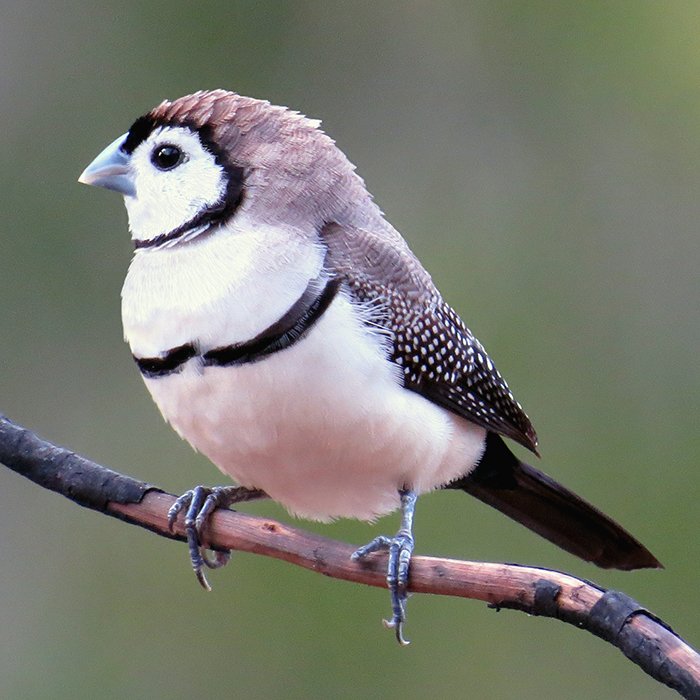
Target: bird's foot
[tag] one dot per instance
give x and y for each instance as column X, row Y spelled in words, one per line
column 400, row 549
column 199, row 504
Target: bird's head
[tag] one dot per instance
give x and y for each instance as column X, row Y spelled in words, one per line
column 195, row 163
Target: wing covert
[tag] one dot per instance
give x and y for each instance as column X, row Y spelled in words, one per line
column 439, row 356
column 443, row 361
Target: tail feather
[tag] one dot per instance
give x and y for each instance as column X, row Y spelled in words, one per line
column 535, row 500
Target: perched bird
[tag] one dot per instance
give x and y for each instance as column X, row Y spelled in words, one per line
column 286, row 331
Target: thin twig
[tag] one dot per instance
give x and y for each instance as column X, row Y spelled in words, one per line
column 611, row 615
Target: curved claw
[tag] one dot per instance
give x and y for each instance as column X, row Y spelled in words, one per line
column 215, row 559
column 182, row 502
column 400, row 549
column 397, row 626
column 199, row 504
column 193, row 529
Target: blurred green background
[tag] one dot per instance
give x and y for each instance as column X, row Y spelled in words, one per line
column 542, row 159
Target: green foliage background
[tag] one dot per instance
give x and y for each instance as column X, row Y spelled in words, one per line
column 542, row 158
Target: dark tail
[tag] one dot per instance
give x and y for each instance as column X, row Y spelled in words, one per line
column 551, row 510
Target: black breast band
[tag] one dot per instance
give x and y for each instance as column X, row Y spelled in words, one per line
column 171, row 362
column 283, row 333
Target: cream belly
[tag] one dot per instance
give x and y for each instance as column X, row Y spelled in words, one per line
column 323, row 427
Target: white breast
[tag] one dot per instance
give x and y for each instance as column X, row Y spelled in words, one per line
column 219, row 290
column 324, row 427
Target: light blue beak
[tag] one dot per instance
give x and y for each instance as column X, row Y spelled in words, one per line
column 111, row 170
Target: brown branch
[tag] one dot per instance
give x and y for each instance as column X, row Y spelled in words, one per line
column 611, row 615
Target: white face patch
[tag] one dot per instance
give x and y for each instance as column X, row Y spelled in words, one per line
column 167, row 199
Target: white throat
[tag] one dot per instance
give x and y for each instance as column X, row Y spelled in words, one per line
column 224, row 288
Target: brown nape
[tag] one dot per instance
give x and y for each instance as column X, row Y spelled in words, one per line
column 541, row 504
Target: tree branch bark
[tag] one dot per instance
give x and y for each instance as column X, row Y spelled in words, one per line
column 615, row 617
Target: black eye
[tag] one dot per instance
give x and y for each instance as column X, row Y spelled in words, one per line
column 167, row 157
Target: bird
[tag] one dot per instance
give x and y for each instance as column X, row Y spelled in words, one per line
column 286, row 330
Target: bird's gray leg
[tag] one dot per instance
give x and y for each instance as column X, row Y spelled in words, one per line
column 200, row 502
column 400, row 550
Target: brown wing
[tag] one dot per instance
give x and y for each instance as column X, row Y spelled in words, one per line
column 454, row 371
column 440, row 357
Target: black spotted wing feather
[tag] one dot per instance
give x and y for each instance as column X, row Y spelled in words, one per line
column 450, row 367
column 439, row 356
